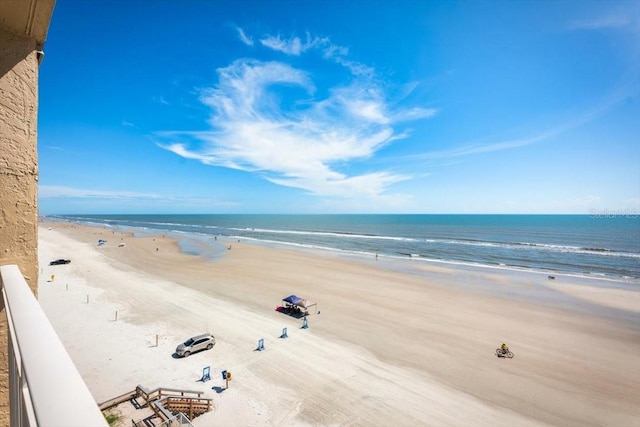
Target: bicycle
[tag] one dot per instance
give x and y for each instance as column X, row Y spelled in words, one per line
column 502, row 353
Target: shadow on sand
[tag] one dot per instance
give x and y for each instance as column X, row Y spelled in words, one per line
column 292, row 312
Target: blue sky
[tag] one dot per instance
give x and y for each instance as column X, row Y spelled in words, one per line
column 340, row 107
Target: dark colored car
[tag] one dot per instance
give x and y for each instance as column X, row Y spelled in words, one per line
column 60, row 261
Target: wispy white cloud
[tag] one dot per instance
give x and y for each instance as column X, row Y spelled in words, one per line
column 160, row 99
column 290, row 47
column 53, row 191
column 127, row 124
column 627, row 87
column 243, row 37
column 472, row 149
column 356, row 68
column 295, row 45
column 310, row 143
column 414, row 113
column 63, row 192
column 620, row 18
column 334, row 51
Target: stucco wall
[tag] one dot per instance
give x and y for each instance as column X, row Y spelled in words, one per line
column 18, row 175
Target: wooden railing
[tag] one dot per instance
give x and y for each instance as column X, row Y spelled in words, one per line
column 166, row 401
column 157, row 393
column 117, row 400
column 192, row 407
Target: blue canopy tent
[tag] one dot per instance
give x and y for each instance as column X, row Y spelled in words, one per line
column 292, row 299
column 296, row 301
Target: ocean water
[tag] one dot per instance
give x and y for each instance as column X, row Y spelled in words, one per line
column 587, row 245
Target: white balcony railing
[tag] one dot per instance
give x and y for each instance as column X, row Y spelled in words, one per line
column 45, row 388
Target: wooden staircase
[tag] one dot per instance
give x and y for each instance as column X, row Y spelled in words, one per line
column 165, row 402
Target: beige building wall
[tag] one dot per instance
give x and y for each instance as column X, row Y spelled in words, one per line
column 18, row 154
column 18, row 175
column 23, row 29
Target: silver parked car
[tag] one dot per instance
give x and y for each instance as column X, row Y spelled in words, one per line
column 197, row 343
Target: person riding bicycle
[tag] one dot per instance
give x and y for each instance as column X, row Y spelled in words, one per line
column 505, row 348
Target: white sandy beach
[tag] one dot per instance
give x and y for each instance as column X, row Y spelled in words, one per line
column 388, row 347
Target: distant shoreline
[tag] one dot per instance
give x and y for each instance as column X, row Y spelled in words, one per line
column 186, row 237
